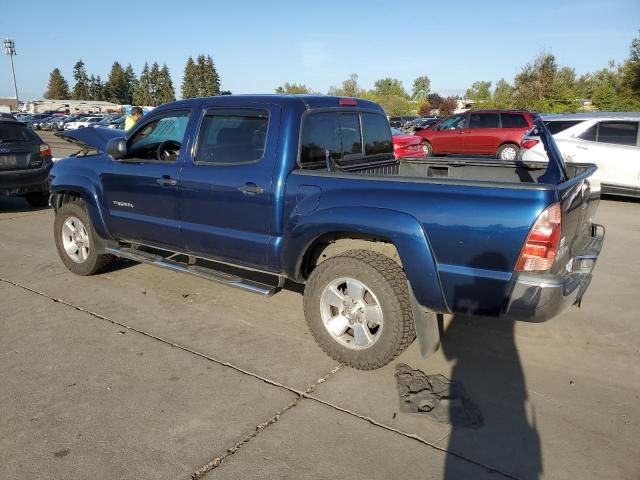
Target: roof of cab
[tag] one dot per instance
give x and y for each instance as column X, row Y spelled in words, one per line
column 304, row 102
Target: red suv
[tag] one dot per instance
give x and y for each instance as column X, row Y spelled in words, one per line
column 478, row 132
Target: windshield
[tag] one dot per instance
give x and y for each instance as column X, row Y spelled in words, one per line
column 395, row 131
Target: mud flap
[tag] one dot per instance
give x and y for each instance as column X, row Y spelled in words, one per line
column 427, row 330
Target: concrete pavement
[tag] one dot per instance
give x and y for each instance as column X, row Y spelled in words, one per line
column 144, row 373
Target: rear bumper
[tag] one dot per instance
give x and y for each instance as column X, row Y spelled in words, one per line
column 539, row 297
column 19, row 182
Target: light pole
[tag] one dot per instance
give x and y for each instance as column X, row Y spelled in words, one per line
column 10, row 49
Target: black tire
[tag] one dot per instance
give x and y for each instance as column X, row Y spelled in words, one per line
column 38, row 199
column 387, row 281
column 95, row 262
column 427, row 148
column 504, row 152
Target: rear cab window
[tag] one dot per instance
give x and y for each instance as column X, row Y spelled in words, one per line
column 346, row 137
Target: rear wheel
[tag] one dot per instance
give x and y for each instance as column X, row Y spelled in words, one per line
column 37, row 199
column 76, row 241
column 508, row 152
column 358, row 309
column 427, row 148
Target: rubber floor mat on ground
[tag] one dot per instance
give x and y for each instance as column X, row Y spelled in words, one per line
column 436, row 396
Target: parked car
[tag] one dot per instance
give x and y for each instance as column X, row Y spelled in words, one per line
column 36, row 118
column 609, row 140
column 421, row 123
column 25, row 161
column 105, row 122
column 306, row 188
column 82, row 122
column 399, row 122
column 405, row 145
column 479, row 132
column 118, row 122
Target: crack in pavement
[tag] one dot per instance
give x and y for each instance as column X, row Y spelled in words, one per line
column 300, row 394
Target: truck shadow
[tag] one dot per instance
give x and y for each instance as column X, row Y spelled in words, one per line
column 17, row 205
column 488, row 365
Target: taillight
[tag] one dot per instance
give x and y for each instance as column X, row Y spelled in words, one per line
column 45, row 150
column 541, row 247
column 529, row 143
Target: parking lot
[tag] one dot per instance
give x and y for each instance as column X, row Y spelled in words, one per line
column 145, row 373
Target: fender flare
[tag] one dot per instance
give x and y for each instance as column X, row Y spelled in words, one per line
column 87, row 189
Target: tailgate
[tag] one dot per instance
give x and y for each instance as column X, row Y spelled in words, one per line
column 578, row 204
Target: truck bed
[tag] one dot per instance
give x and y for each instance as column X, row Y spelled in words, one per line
column 468, row 169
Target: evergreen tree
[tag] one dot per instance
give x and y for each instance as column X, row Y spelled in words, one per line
column 117, row 86
column 58, row 88
column 142, row 95
column 189, row 80
column 209, row 80
column 81, row 87
column 154, row 83
column 132, row 83
column 165, row 92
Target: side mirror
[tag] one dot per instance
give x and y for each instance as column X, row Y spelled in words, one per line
column 117, row 148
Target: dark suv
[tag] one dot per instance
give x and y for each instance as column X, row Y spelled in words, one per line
column 479, row 132
column 25, row 161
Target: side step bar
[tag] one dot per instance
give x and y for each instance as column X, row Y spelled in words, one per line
column 203, row 272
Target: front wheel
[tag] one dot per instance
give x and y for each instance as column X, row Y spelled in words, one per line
column 76, row 241
column 508, row 152
column 427, row 148
column 358, row 309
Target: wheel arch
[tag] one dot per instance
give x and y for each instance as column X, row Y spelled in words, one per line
column 395, row 234
column 78, row 187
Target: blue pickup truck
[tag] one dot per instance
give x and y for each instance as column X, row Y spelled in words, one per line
column 252, row 191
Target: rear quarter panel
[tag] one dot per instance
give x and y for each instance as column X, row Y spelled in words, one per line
column 460, row 240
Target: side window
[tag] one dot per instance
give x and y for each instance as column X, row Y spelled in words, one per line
column 557, row 126
column 590, row 134
column 377, row 135
column 454, row 123
column 320, row 133
column 618, row 133
column 514, row 120
column 160, row 139
column 232, row 137
column 484, row 120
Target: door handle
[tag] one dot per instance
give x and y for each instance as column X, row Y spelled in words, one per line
column 250, row 188
column 582, row 147
column 167, row 181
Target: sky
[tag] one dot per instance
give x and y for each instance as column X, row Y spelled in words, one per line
column 259, row 45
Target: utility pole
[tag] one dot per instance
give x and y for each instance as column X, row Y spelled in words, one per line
column 10, row 49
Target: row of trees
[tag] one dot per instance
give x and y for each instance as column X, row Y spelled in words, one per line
column 541, row 85
column 544, row 86
column 152, row 88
